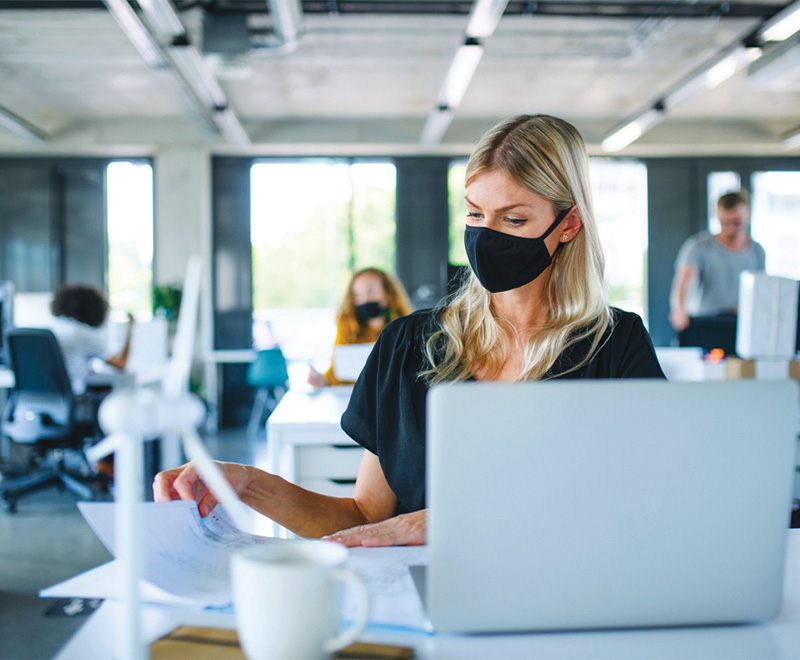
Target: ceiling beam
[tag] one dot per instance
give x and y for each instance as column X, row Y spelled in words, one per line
column 617, row 9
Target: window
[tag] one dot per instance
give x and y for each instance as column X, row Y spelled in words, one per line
column 314, row 222
column 130, row 236
column 620, row 202
column 619, row 188
column 775, row 220
column 458, row 212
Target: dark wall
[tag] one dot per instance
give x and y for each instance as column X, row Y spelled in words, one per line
column 672, row 195
column 52, row 222
column 422, row 223
column 26, row 234
column 233, row 281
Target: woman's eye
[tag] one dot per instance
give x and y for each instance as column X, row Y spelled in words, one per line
column 516, row 222
column 474, row 216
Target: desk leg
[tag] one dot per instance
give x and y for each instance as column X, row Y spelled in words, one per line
column 213, row 380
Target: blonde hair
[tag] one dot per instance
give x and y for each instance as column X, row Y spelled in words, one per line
column 546, row 156
column 351, row 330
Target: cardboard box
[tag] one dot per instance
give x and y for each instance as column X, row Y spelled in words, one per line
column 738, row 368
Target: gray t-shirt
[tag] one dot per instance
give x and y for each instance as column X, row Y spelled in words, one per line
column 718, row 270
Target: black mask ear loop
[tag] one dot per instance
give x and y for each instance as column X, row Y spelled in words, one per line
column 555, row 224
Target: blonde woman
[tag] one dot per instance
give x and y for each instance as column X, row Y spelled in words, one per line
column 534, row 308
column 373, row 299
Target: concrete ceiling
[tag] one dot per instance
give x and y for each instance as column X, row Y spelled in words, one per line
column 361, row 82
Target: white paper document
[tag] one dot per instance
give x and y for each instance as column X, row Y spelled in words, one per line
column 394, row 600
column 184, row 555
column 186, row 564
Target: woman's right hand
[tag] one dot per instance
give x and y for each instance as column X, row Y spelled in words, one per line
column 184, row 483
column 315, row 378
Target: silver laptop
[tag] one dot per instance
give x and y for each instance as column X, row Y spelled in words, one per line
column 607, row 504
column 349, row 360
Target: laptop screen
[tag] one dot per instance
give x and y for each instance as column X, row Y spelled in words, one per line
column 599, row 504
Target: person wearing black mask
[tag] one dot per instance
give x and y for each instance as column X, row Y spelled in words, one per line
column 534, row 308
column 373, row 299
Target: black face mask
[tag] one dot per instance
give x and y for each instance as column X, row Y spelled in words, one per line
column 502, row 262
column 369, row 310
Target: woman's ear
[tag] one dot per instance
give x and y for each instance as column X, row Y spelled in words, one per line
column 572, row 225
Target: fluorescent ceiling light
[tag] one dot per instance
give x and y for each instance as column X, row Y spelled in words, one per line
column 136, row 31
column 792, row 140
column 18, row 125
column 230, row 127
column 198, row 76
column 632, row 131
column 162, row 17
column 712, row 74
column 460, row 73
column 783, row 25
column 484, row 17
column 436, row 126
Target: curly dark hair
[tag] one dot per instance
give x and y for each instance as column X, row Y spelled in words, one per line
column 85, row 304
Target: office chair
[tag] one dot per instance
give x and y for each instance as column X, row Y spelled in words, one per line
column 268, row 373
column 41, row 413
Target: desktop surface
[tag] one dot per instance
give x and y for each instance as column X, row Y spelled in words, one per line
column 779, row 639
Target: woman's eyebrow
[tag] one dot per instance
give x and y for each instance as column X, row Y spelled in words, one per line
column 502, row 208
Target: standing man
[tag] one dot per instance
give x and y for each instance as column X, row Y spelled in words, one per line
column 708, row 266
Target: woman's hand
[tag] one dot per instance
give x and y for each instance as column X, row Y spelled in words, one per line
column 315, row 378
column 184, row 483
column 405, row 529
column 679, row 319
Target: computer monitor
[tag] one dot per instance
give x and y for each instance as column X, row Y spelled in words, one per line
column 6, row 316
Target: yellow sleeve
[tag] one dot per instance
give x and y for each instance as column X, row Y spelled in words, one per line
column 330, row 378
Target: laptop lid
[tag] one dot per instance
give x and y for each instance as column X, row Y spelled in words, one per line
column 604, row 504
column 349, row 360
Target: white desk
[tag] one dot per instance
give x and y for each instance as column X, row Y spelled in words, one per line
column 778, row 639
column 306, row 444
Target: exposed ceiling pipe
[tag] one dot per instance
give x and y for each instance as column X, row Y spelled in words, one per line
column 21, row 127
column 197, row 83
column 287, row 27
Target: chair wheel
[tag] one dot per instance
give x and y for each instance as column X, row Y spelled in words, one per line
column 11, row 505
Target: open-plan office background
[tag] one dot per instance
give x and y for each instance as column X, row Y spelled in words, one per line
column 285, row 233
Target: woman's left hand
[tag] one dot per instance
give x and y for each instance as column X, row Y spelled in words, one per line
column 405, row 529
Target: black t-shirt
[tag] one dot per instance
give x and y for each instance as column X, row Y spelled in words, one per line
column 386, row 413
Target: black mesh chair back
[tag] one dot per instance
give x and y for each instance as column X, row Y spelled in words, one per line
column 40, row 413
column 41, row 404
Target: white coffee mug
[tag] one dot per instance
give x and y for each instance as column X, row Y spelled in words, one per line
column 287, row 600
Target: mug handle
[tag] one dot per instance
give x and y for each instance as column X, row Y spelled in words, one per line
column 349, row 635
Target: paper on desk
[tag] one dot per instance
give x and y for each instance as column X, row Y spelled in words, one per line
column 186, row 564
column 184, row 555
column 103, row 582
column 394, row 599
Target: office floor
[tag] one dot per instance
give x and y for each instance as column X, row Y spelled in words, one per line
column 47, row 541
